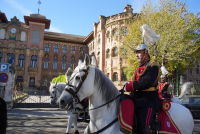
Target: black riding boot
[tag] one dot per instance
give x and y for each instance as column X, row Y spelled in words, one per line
column 76, row 132
column 146, row 130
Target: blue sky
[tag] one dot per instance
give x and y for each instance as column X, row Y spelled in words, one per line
column 75, row 16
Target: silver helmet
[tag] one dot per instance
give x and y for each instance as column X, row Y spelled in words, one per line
column 162, row 76
column 142, row 47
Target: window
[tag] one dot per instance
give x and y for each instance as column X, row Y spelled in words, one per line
column 72, row 64
column 56, row 48
column 123, row 77
column 65, row 49
column 34, row 61
column 23, row 36
column 189, row 70
column 99, row 39
column 55, row 62
column 36, row 37
column 115, row 32
column 47, row 48
column 64, row 64
column 108, row 53
column 108, row 75
column 10, row 58
column 1, row 57
column 81, row 58
column 115, row 77
column 73, row 50
column 124, row 30
column 2, row 33
column 197, row 69
column 21, row 60
column 98, row 58
column 46, row 62
column 115, row 52
column 81, row 50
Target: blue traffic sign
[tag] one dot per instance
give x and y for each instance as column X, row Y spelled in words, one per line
column 4, row 67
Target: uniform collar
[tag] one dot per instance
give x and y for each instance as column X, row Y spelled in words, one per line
column 144, row 63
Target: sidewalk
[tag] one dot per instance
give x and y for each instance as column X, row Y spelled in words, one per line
column 36, row 113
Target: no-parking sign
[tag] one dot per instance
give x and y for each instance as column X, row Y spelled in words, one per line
column 3, row 77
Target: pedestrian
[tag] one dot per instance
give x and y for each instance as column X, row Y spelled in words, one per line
column 3, row 116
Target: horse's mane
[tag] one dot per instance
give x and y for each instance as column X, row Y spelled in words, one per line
column 106, row 87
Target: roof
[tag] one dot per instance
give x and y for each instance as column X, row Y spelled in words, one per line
column 3, row 17
column 68, row 38
column 37, row 18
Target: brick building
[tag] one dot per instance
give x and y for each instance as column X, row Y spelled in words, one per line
column 36, row 53
column 106, row 43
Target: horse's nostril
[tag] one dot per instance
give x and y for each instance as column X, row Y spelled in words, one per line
column 62, row 101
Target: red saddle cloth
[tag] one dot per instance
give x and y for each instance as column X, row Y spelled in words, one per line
column 167, row 124
column 126, row 115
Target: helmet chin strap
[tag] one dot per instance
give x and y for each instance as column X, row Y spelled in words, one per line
column 144, row 56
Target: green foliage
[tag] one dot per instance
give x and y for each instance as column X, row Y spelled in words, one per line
column 57, row 79
column 179, row 31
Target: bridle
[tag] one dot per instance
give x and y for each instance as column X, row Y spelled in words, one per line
column 55, row 92
column 77, row 100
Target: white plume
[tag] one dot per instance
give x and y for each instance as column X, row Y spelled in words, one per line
column 149, row 36
column 164, row 70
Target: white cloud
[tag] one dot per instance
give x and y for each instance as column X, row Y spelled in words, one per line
column 53, row 29
column 15, row 4
column 18, row 6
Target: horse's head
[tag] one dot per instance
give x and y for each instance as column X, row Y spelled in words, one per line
column 54, row 93
column 80, row 85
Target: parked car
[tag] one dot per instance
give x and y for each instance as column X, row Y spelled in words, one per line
column 192, row 102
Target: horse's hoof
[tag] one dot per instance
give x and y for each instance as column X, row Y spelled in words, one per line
column 76, row 132
column 67, row 133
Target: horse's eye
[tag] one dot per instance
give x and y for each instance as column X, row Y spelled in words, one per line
column 77, row 78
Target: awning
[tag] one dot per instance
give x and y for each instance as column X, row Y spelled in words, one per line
column 20, row 78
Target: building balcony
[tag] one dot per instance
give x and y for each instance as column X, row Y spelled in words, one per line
column 32, row 69
column 18, row 68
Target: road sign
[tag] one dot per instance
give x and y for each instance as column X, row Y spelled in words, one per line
column 4, row 67
column 3, row 77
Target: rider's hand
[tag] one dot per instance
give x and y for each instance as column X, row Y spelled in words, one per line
column 121, row 90
column 128, row 86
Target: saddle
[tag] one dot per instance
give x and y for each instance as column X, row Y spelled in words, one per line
column 162, row 123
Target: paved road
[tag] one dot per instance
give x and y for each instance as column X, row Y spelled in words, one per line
column 44, row 126
column 47, row 121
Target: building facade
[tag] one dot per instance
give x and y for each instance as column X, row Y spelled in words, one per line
column 106, row 43
column 35, row 53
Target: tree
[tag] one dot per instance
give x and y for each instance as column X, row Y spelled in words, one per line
column 61, row 78
column 179, row 31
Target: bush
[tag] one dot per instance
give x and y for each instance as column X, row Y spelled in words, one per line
column 57, row 79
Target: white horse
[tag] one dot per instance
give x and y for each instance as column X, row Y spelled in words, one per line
column 101, row 90
column 55, row 91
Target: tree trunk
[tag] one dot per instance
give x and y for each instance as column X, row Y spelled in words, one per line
column 155, row 52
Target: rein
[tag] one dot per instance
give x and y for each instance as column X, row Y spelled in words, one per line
column 77, row 100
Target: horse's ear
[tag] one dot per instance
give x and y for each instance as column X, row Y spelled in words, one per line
column 93, row 62
column 68, row 73
column 79, row 62
column 87, row 60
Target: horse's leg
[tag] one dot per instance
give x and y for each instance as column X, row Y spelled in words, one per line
column 86, row 130
column 70, row 121
column 75, row 123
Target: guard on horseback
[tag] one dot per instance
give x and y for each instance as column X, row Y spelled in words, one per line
column 143, row 89
column 163, row 87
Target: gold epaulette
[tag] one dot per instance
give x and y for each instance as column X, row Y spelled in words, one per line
column 150, row 89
